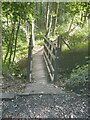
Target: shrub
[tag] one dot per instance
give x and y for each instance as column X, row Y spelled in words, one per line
column 78, row 81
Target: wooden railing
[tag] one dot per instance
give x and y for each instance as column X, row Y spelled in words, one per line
column 29, row 65
column 51, row 56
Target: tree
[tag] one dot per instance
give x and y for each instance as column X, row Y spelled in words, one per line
column 14, row 14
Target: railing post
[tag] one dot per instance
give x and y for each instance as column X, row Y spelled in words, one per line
column 29, row 65
column 56, row 64
column 59, row 42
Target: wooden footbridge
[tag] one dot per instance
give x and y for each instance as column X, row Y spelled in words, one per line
column 43, row 67
column 48, row 58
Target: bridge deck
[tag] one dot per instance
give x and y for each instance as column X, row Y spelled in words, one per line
column 41, row 78
column 39, row 71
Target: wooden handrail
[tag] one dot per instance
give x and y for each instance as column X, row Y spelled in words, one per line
column 54, row 46
column 51, row 66
column 53, row 56
column 51, row 53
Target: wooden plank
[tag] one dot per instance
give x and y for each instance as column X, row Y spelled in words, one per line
column 51, row 76
column 39, row 71
column 53, row 56
column 54, row 46
column 7, row 95
column 52, row 68
column 51, row 53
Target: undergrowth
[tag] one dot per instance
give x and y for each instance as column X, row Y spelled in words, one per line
column 73, row 70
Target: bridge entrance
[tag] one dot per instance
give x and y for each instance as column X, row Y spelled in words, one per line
column 37, row 67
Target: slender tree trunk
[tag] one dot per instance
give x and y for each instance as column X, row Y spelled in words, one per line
column 12, row 39
column 41, row 15
column 47, row 18
column 71, row 24
column 49, row 28
column 16, row 39
column 8, row 44
column 66, row 43
column 33, row 37
column 56, row 20
column 53, row 11
column 27, row 31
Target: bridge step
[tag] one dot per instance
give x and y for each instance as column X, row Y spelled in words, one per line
column 7, row 95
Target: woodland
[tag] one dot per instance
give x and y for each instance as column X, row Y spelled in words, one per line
column 50, row 19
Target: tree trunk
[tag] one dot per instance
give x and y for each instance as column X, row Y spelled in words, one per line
column 56, row 20
column 16, row 39
column 27, row 31
column 12, row 39
column 33, row 37
column 8, row 44
column 71, row 25
column 47, row 18
column 49, row 29
column 54, row 17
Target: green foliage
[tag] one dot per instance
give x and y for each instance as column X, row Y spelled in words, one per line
column 80, row 36
column 60, row 29
column 15, row 12
column 15, row 71
column 73, row 72
column 22, row 45
column 78, row 8
column 78, row 81
column 14, row 15
column 40, row 42
column 39, row 35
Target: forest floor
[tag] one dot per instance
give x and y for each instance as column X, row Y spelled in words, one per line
column 46, row 106
column 41, row 81
column 11, row 84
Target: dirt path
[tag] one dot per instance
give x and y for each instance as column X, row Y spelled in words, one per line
column 46, row 106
